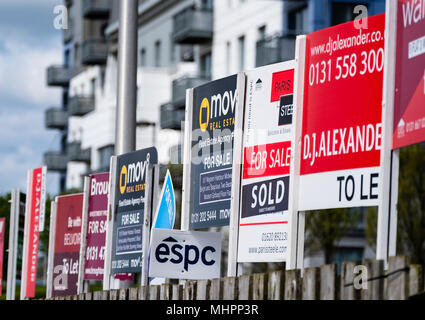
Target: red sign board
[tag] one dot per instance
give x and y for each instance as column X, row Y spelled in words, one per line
column 67, row 244
column 267, row 160
column 36, row 206
column 341, row 123
column 96, row 227
column 409, row 96
column 2, row 227
column 282, row 84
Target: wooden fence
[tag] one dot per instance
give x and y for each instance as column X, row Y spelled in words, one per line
column 399, row 282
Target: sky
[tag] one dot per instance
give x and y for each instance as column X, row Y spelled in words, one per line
column 29, row 43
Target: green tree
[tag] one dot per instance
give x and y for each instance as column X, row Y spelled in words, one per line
column 410, row 206
column 325, row 228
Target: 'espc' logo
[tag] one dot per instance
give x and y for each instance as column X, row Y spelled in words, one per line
column 170, row 250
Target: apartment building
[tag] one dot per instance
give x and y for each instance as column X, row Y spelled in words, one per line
column 181, row 44
column 84, row 54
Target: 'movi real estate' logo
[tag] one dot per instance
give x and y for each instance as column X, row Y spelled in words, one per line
column 219, row 105
column 133, row 173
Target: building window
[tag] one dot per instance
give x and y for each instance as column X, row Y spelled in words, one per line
column 298, row 21
column 66, row 58
column 76, row 54
column 143, row 57
column 105, row 154
column 343, row 12
column 206, row 4
column 102, row 78
column 93, row 90
column 172, row 50
column 158, row 53
column 262, row 32
column 241, row 45
column 93, row 87
column 205, row 65
column 228, row 56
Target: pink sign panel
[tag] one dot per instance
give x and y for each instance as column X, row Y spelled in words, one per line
column 96, row 227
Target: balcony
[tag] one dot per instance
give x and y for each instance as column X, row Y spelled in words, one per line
column 180, row 85
column 55, row 161
column 56, row 118
column 58, row 76
column 170, row 117
column 80, row 105
column 192, row 26
column 275, row 49
column 75, row 153
column 94, row 51
column 96, row 9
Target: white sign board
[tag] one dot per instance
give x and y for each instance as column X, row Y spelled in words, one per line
column 179, row 254
column 263, row 226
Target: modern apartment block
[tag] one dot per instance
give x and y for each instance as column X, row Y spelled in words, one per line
column 181, row 44
column 84, row 53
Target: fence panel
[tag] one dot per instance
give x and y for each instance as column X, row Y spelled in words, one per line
column 328, row 282
column 311, row 284
column 276, row 285
column 348, row 290
column 230, row 288
column 398, row 278
column 245, row 286
column 375, row 283
column 293, row 285
column 203, row 290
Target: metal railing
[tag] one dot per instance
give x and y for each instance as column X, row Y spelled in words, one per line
column 193, row 25
column 75, row 153
column 180, row 85
column 55, row 161
column 56, row 118
column 171, row 117
column 80, row 105
column 58, row 75
column 96, row 9
column 94, row 51
column 276, row 48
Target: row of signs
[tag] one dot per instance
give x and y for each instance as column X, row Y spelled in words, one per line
column 189, row 255
column 311, row 139
column 322, row 152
